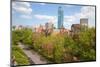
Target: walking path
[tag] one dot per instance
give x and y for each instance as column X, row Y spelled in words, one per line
column 36, row 58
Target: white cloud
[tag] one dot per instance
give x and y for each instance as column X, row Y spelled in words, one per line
column 48, row 18
column 22, row 7
column 85, row 12
column 69, row 18
column 88, row 12
column 43, row 17
column 26, row 4
column 26, row 16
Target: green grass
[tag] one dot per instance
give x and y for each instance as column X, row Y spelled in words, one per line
column 20, row 57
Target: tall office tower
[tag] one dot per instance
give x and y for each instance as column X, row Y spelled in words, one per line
column 60, row 17
column 83, row 24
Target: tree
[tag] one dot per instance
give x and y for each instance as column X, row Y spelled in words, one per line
column 16, row 36
column 87, row 44
column 27, row 36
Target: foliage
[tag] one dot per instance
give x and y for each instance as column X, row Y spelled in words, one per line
column 87, row 44
column 65, row 47
column 27, row 36
column 60, row 47
column 16, row 36
column 20, row 57
column 24, row 36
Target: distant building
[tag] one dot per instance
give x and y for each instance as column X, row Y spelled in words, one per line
column 84, row 24
column 65, row 31
column 75, row 29
column 48, row 28
column 39, row 29
column 19, row 27
column 49, row 25
column 60, row 17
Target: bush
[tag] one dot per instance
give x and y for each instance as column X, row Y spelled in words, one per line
column 27, row 36
column 16, row 36
column 20, row 57
column 87, row 44
column 60, row 47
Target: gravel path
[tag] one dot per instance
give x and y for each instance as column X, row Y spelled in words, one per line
column 32, row 55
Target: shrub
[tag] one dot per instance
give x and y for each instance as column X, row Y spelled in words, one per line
column 20, row 57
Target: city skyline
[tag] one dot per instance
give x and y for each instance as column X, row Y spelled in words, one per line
column 35, row 14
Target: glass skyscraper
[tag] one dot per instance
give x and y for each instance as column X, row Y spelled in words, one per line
column 60, row 17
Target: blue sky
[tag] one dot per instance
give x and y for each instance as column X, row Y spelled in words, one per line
column 34, row 14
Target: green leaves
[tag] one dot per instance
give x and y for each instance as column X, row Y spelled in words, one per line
column 59, row 48
column 20, row 57
column 87, row 44
column 25, row 36
column 16, row 36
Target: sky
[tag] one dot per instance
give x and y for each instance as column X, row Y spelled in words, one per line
column 34, row 14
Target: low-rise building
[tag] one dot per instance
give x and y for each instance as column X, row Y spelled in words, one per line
column 75, row 29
